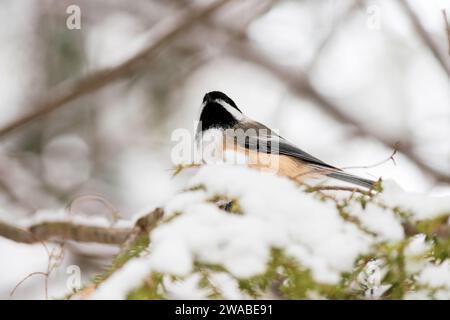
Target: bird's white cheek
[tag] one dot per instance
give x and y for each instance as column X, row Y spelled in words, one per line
column 235, row 157
column 210, row 146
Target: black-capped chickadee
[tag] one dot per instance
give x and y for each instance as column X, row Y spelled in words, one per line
column 262, row 147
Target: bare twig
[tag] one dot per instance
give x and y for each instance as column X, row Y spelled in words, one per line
column 39, row 273
column 115, row 213
column 180, row 167
column 447, row 28
column 162, row 34
column 54, row 261
column 420, row 29
column 45, row 274
column 338, row 188
column 391, row 157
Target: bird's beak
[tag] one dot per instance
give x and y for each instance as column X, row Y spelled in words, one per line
column 207, row 98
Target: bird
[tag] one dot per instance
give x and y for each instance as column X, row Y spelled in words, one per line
column 262, row 147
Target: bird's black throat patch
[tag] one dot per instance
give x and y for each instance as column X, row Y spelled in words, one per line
column 214, row 115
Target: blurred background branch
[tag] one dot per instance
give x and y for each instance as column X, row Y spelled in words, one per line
column 447, row 27
column 425, row 37
column 161, row 35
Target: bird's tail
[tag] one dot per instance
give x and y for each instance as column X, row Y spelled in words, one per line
column 347, row 177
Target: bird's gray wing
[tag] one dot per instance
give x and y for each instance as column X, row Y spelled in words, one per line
column 257, row 136
column 288, row 149
column 260, row 138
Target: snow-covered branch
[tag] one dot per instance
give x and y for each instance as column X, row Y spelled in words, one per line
column 279, row 239
column 60, row 231
column 268, row 237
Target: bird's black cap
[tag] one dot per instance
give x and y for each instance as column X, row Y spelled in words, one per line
column 214, row 113
column 217, row 95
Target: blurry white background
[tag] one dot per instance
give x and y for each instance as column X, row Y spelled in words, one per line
column 368, row 58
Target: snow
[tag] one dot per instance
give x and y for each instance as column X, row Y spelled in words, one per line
column 63, row 215
column 297, row 218
column 443, row 294
column 226, row 285
column 171, row 256
column 421, row 206
column 416, row 253
column 383, row 222
column 436, row 275
column 27, row 259
column 129, row 277
column 371, row 278
column 183, row 200
column 186, row 289
column 241, row 245
column 276, row 213
column 417, row 246
column 417, row 295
